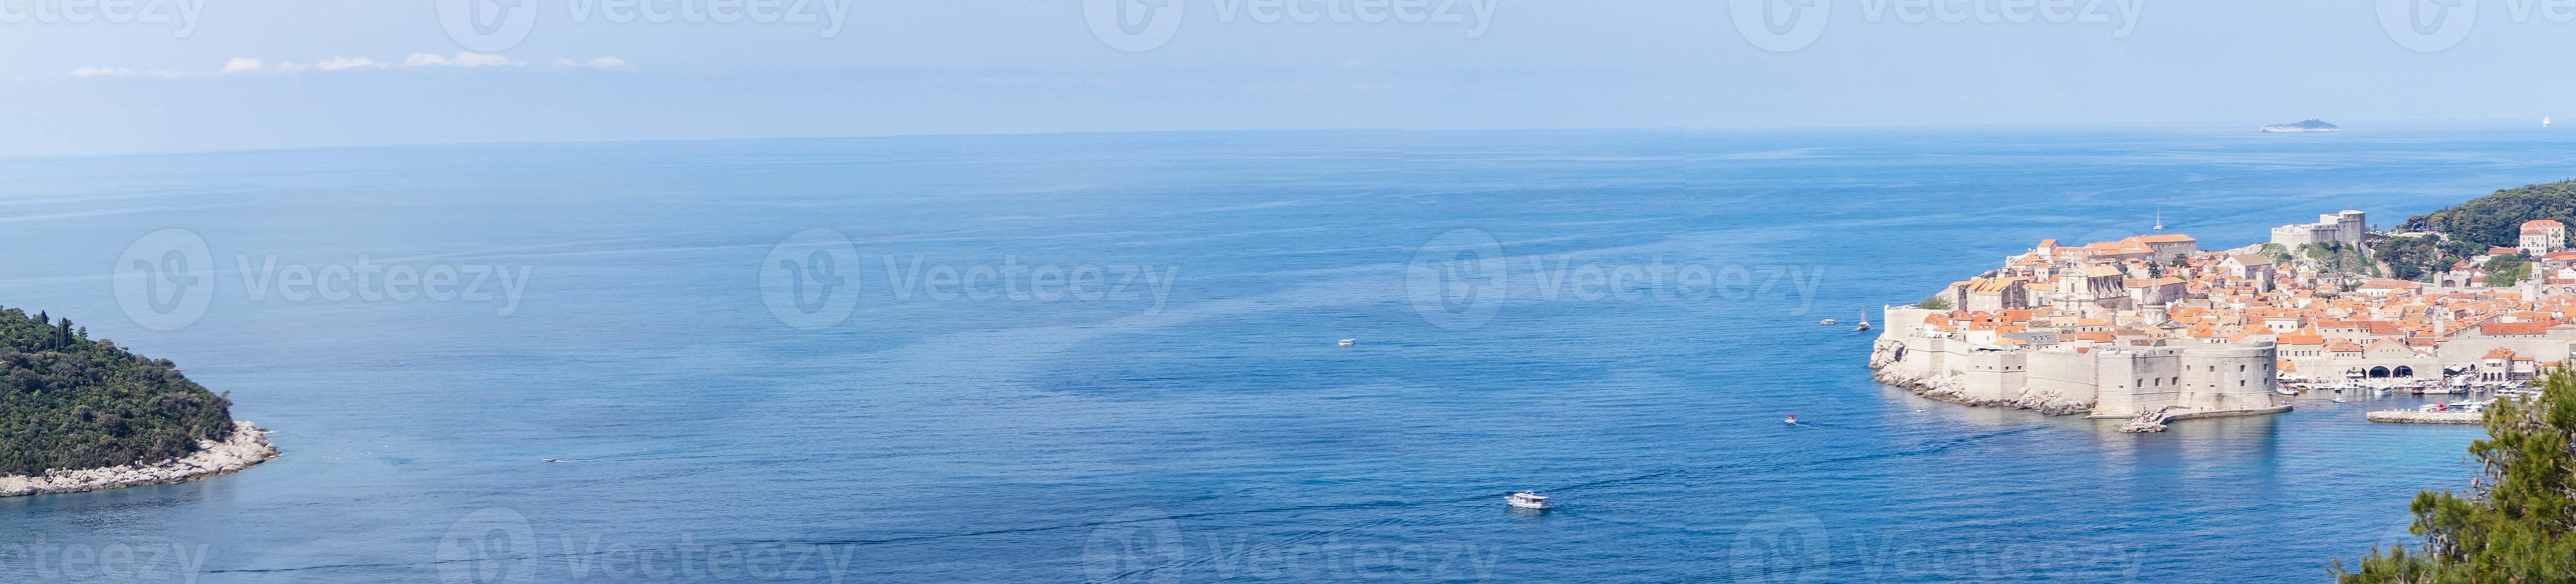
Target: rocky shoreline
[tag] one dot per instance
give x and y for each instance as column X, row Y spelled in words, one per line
column 246, row 447
column 1950, row 388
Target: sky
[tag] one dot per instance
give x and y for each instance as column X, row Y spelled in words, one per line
column 82, row 77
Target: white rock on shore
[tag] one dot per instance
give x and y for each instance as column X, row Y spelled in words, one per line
column 247, row 446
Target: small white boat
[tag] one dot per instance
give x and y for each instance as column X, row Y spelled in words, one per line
column 1349, row 342
column 1792, row 419
column 2339, row 399
column 1828, row 321
column 548, row 460
column 1526, row 500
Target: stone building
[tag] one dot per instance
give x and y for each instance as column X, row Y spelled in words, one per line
column 2543, row 236
column 2346, row 227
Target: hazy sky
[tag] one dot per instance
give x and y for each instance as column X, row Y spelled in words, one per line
column 151, row 75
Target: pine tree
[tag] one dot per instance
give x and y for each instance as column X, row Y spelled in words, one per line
column 2514, row 523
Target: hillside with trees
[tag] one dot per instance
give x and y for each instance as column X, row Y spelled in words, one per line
column 68, row 402
column 2516, row 522
column 2496, row 220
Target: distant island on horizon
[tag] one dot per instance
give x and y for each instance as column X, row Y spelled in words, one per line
column 2312, row 125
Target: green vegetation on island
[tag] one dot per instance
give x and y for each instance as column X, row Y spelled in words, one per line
column 2496, row 220
column 2413, row 257
column 2517, row 520
column 68, row 402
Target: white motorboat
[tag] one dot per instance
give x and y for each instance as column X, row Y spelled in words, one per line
column 1527, row 500
column 548, row 460
column 1792, row 419
column 1349, row 342
column 1828, row 321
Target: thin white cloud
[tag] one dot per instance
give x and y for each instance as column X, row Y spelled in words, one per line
column 338, row 63
column 345, row 63
column 463, row 59
column 471, row 59
column 599, row 63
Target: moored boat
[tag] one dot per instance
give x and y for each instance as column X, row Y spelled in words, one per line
column 1526, row 500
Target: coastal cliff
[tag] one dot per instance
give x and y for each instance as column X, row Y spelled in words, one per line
column 248, row 445
column 1953, row 388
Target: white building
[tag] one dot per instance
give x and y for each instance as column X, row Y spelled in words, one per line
column 2543, row 236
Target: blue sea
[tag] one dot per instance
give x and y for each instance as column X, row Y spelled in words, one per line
column 1115, row 357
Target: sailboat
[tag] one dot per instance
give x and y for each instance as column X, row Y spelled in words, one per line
column 1864, row 322
column 2160, row 219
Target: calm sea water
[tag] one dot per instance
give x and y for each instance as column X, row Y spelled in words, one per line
column 1181, row 411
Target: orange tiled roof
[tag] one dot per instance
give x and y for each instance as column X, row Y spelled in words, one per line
column 2514, row 328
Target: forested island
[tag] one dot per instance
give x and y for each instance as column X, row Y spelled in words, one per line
column 78, row 414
